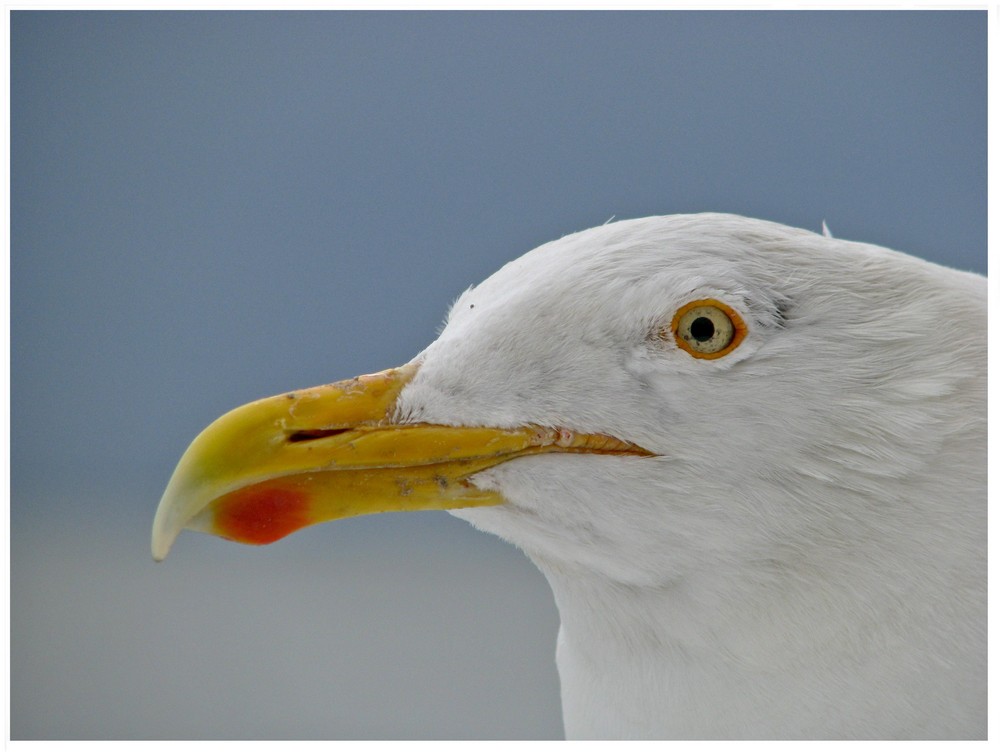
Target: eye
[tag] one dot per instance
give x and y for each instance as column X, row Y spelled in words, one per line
column 708, row 328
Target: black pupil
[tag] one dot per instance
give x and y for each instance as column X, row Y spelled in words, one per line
column 702, row 329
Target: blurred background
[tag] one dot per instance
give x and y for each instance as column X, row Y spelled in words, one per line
column 207, row 208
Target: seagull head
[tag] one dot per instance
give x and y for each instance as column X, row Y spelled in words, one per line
column 749, row 459
column 638, row 400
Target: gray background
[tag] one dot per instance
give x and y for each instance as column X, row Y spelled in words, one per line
column 210, row 208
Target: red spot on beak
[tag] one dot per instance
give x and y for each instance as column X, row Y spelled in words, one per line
column 261, row 514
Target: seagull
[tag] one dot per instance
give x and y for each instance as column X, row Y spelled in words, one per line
column 749, row 459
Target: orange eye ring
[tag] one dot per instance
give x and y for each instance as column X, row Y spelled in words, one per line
column 708, row 328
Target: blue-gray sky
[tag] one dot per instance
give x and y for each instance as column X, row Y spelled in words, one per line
column 207, row 208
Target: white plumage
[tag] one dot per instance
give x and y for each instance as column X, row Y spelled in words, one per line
column 806, row 556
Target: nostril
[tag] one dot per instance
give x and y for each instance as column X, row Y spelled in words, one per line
column 315, row 433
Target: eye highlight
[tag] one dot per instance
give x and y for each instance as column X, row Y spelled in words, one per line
column 707, row 328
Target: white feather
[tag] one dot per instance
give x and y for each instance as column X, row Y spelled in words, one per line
column 806, row 555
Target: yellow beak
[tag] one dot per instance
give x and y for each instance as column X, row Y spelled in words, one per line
column 276, row 465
